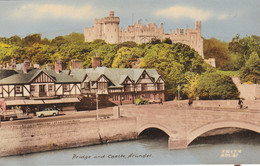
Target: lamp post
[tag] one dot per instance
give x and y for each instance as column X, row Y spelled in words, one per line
column 179, row 89
column 97, row 104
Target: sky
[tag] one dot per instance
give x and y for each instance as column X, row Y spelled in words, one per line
column 221, row 19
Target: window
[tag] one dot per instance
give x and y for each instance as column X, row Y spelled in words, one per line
column 115, row 98
column 66, row 87
column 87, row 86
column 144, row 87
column 18, row 89
column 147, row 96
column 50, row 87
column 143, row 76
column 127, row 87
column 126, row 97
column 160, row 86
column 102, row 86
column 33, row 88
column 1, row 89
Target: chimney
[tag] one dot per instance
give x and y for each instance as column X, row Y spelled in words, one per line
column 36, row 66
column 58, row 66
column 76, row 64
column 96, row 62
column 48, row 67
column 26, row 66
column 13, row 65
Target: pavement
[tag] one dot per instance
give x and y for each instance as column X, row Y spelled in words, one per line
column 65, row 115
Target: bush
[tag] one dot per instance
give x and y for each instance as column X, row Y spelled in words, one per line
column 140, row 101
column 216, row 86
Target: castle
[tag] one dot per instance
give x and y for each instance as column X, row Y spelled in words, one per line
column 107, row 29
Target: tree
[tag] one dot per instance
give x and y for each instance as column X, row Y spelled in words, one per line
column 190, row 89
column 245, row 46
column 167, row 41
column 122, row 58
column 155, row 41
column 251, row 71
column 75, row 37
column 30, row 40
column 58, row 41
column 215, row 86
column 217, row 49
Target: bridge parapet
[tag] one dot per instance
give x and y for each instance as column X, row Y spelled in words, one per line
column 184, row 124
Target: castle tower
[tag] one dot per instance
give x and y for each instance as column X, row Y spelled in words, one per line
column 198, row 27
column 111, row 28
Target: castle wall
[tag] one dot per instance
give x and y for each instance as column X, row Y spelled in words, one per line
column 107, row 29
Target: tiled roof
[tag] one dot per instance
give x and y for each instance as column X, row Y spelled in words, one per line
column 61, row 77
column 6, row 73
column 116, row 76
column 19, row 77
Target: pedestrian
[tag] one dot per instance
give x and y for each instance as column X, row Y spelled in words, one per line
column 240, row 103
column 190, row 101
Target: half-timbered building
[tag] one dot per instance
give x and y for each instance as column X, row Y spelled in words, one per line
column 120, row 85
column 28, row 85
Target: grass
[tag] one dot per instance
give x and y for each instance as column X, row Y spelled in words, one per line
column 229, row 73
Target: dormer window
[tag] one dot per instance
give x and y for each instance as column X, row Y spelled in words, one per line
column 87, row 86
column 102, row 86
column 144, row 87
column 159, row 86
column 127, row 87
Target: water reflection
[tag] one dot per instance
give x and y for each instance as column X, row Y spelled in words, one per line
column 211, row 150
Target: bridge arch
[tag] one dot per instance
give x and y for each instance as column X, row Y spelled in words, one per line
column 150, row 125
column 223, row 124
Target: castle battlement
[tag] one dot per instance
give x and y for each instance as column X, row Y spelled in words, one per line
column 107, row 29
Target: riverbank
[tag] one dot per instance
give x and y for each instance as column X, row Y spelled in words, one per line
column 37, row 137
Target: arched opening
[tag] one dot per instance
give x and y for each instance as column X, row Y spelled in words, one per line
column 153, row 133
column 227, row 135
column 154, row 138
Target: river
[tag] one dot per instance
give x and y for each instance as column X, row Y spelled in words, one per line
column 241, row 148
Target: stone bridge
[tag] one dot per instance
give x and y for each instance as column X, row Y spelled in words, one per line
column 184, row 124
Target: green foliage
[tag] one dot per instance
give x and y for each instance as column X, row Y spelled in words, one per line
column 172, row 61
column 140, row 101
column 155, row 41
column 217, row 49
column 251, row 71
column 75, row 38
column 177, row 63
column 229, row 73
column 190, row 89
column 245, row 46
column 216, row 86
column 29, row 40
column 167, row 41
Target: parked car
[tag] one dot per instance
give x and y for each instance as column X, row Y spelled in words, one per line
column 12, row 114
column 47, row 112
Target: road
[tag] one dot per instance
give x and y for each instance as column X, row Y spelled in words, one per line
column 66, row 115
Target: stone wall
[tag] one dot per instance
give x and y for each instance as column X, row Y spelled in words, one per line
column 251, row 104
column 21, row 139
column 247, row 91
